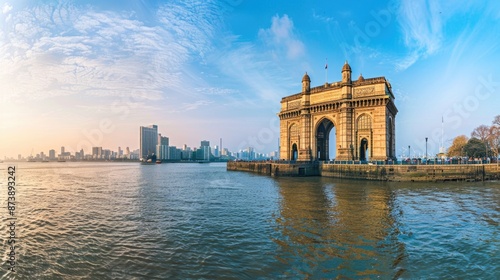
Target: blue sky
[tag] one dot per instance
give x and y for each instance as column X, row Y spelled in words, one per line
column 86, row 73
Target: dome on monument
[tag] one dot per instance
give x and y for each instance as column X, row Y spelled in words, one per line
column 361, row 78
column 346, row 67
column 306, row 78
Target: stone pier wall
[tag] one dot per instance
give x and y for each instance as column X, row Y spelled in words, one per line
column 423, row 173
column 275, row 169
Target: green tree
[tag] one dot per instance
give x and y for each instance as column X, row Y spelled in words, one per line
column 476, row 148
column 456, row 148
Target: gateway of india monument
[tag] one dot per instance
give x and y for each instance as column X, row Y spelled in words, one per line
column 361, row 111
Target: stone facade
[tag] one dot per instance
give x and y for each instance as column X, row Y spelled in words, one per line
column 361, row 111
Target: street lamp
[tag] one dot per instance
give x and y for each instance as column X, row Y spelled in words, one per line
column 426, row 147
column 409, row 155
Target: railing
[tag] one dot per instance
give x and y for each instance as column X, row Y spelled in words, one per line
column 415, row 161
column 418, row 162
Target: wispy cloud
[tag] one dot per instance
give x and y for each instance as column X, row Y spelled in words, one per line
column 281, row 35
column 195, row 105
column 322, row 18
column 407, row 61
column 216, row 91
column 54, row 50
column 258, row 73
column 421, row 25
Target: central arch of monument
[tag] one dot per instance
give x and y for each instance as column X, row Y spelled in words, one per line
column 361, row 112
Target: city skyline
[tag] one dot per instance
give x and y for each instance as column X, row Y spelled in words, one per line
column 88, row 74
column 161, row 148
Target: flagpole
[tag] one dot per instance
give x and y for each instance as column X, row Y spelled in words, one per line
column 442, row 135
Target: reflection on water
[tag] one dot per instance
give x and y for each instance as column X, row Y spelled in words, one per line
column 333, row 229
column 198, row 221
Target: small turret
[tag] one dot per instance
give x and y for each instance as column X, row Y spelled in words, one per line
column 306, row 83
column 361, row 78
column 346, row 73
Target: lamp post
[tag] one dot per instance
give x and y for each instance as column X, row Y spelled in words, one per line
column 486, row 158
column 426, row 147
column 409, row 153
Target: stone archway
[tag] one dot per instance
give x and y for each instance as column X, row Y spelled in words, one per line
column 357, row 109
column 322, row 136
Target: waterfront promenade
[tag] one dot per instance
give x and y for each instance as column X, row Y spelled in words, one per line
column 378, row 172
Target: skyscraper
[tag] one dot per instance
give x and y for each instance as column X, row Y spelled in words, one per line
column 96, row 152
column 148, row 140
column 162, row 150
column 205, row 143
column 52, row 154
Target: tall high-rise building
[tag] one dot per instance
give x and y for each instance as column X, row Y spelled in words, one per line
column 162, row 151
column 62, row 150
column 203, row 153
column 205, row 143
column 96, row 152
column 52, row 154
column 186, row 153
column 216, row 151
column 174, row 153
column 148, row 140
column 106, row 154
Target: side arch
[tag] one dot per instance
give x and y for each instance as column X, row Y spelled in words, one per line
column 293, row 140
column 364, row 133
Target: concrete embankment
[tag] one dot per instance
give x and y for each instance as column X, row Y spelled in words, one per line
column 422, row 173
column 275, row 169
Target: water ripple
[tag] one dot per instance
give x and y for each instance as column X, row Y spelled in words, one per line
column 197, row 221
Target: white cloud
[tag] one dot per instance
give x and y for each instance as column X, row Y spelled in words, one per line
column 216, row 91
column 258, row 73
column 50, row 51
column 421, row 25
column 6, row 8
column 195, row 105
column 407, row 61
column 322, row 18
column 281, row 35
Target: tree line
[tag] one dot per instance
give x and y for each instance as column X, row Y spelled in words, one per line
column 484, row 142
